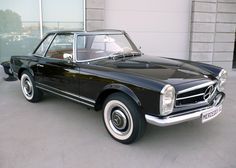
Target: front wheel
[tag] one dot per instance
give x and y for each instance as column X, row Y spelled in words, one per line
column 122, row 118
column 28, row 88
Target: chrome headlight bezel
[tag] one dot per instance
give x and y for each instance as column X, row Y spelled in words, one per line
column 222, row 77
column 167, row 100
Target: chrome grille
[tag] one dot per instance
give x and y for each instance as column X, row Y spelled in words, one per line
column 196, row 94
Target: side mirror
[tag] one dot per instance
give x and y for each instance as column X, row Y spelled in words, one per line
column 68, row 57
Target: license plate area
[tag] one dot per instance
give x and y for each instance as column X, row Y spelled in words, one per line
column 211, row 113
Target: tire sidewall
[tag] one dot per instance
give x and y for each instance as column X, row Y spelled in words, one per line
column 137, row 119
column 37, row 94
column 26, row 76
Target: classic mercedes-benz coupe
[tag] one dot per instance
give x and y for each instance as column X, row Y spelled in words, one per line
column 105, row 70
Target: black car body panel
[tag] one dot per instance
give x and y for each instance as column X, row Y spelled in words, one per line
column 141, row 77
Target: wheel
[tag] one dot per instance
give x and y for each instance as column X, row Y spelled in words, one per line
column 29, row 90
column 122, row 118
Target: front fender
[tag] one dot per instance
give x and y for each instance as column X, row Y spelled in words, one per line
column 112, row 88
column 22, row 68
column 124, row 89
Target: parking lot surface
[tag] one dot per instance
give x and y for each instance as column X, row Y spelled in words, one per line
column 59, row 133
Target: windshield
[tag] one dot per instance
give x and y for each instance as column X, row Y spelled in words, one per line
column 90, row 47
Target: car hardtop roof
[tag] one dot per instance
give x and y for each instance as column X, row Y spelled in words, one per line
column 101, row 31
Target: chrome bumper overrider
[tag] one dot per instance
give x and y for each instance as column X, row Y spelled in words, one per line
column 172, row 120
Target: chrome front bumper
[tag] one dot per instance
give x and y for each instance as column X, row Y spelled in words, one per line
column 172, row 120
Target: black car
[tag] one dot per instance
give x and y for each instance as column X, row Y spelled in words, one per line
column 105, row 70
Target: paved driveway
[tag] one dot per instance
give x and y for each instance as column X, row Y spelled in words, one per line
column 58, row 133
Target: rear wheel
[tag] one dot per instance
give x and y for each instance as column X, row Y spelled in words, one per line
column 28, row 88
column 122, row 118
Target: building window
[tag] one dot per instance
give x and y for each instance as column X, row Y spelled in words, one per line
column 61, row 15
column 20, row 26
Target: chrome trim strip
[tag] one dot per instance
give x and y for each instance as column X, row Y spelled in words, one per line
column 179, row 118
column 68, row 93
column 221, row 72
column 94, row 59
column 191, row 104
column 187, row 97
column 196, row 87
column 171, row 121
column 164, row 88
column 200, row 102
column 99, row 32
column 65, row 96
column 74, row 48
column 45, row 52
column 162, row 122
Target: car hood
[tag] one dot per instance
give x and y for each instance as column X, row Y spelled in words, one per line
column 162, row 69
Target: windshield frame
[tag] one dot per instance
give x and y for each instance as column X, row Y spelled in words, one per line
column 102, row 33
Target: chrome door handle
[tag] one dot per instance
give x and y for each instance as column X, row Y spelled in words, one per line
column 40, row 65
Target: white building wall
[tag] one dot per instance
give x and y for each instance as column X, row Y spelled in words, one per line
column 213, row 32
column 160, row 27
column 94, row 15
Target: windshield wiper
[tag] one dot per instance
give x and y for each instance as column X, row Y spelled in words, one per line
column 125, row 54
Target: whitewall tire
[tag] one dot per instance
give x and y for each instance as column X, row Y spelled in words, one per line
column 30, row 92
column 122, row 118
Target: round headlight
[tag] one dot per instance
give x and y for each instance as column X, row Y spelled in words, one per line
column 167, row 100
column 221, row 80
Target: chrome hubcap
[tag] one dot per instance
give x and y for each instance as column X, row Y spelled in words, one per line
column 27, row 86
column 118, row 119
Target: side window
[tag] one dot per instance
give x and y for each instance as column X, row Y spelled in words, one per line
column 61, row 47
column 98, row 43
column 44, row 45
column 91, row 47
column 81, row 42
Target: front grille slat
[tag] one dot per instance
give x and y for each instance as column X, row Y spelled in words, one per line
column 188, row 97
column 195, row 96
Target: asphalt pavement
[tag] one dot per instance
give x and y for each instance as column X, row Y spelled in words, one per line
column 59, row 133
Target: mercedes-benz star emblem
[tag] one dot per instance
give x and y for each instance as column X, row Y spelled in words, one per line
column 208, row 92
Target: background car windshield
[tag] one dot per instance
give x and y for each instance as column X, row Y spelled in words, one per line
column 96, row 46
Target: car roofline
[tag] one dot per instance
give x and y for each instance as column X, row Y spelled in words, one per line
column 99, row 31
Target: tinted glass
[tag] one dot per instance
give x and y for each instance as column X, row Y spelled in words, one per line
column 61, row 47
column 61, row 15
column 19, row 27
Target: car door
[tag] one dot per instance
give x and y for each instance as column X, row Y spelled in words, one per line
column 56, row 70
